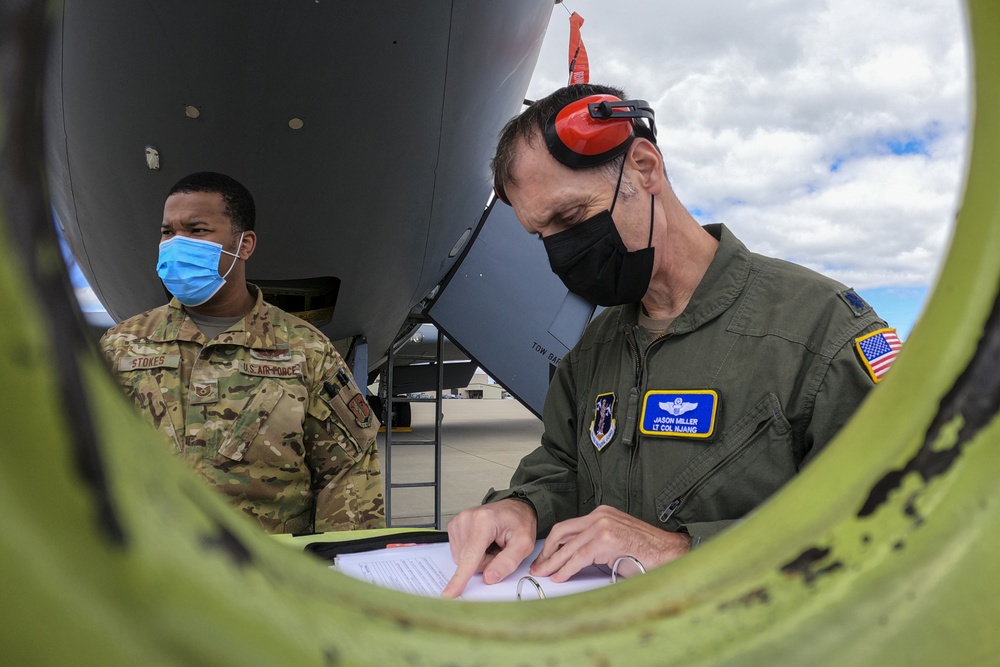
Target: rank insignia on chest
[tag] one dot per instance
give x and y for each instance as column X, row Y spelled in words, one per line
column 602, row 429
column 205, row 392
column 679, row 413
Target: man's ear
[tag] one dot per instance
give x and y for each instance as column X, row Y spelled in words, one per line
column 248, row 245
column 647, row 162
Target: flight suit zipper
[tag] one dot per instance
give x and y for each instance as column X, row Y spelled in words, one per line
column 632, row 411
column 628, row 430
column 632, row 415
column 676, row 503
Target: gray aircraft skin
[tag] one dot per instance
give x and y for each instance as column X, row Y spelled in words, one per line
column 364, row 131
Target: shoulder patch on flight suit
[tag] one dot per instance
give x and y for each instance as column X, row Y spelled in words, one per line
column 679, row 413
column 858, row 305
column 877, row 351
column 602, row 429
column 138, row 363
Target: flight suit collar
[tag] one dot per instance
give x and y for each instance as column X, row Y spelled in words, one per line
column 259, row 330
column 723, row 282
column 719, row 288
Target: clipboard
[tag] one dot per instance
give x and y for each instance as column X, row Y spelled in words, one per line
column 330, row 550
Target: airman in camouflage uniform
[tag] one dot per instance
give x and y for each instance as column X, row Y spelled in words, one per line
column 266, row 411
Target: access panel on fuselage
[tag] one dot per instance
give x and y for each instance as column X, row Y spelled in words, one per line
column 508, row 311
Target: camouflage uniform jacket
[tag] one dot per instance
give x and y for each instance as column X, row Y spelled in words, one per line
column 266, row 411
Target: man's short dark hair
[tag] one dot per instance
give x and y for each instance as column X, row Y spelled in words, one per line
column 530, row 124
column 238, row 200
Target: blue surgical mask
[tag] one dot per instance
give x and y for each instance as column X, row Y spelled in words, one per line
column 189, row 268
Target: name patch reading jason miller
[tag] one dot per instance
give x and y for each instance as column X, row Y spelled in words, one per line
column 679, row 414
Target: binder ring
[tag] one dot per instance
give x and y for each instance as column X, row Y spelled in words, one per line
column 531, row 580
column 614, row 568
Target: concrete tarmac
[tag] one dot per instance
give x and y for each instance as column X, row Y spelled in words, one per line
column 482, row 442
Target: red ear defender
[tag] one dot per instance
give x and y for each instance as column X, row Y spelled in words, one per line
column 501, row 195
column 595, row 129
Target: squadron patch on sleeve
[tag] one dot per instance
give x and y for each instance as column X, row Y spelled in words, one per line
column 359, row 408
column 602, row 429
column 877, row 351
column 679, row 414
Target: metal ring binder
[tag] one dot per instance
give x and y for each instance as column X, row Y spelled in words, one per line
column 614, row 568
column 538, row 587
column 614, row 577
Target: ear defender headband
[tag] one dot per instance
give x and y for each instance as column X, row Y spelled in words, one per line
column 593, row 130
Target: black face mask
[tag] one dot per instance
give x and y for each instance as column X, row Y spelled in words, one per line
column 592, row 261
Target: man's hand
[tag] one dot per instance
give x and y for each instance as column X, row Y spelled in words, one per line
column 509, row 524
column 600, row 538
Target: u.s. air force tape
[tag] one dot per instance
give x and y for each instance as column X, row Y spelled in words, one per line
column 679, row 414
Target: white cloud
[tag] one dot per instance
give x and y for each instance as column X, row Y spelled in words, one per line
column 783, row 119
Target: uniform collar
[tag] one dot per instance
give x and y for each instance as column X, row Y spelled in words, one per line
column 260, row 329
column 723, row 282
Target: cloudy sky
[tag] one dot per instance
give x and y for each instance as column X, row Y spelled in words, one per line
column 828, row 132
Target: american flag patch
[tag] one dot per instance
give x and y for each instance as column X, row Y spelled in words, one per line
column 878, row 350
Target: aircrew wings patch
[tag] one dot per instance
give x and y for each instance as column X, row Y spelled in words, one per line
column 877, row 351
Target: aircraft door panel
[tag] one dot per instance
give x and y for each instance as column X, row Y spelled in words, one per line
column 505, row 308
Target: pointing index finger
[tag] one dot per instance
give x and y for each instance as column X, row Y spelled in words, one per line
column 469, row 561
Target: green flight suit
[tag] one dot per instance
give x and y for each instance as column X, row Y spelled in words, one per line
column 267, row 412
column 773, row 340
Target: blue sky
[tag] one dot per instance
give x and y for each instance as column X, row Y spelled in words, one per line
column 899, row 306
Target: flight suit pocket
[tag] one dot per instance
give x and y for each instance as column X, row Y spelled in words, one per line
column 148, row 397
column 752, row 461
column 586, row 490
column 248, row 423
